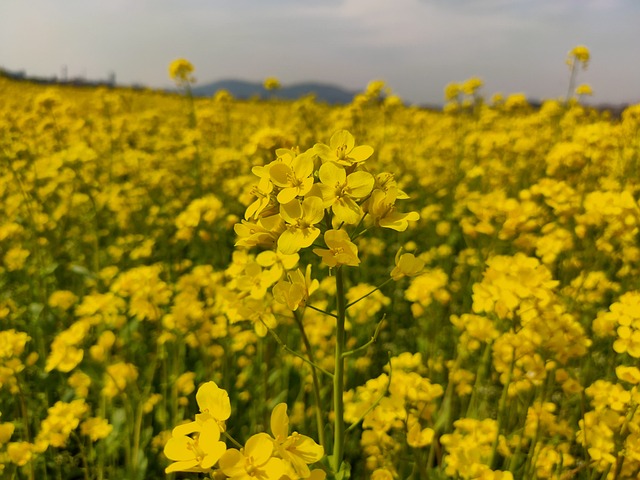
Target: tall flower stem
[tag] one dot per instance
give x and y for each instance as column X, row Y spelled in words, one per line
column 314, row 375
column 572, row 81
column 338, row 374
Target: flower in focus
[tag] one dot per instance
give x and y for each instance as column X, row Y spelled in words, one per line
column 295, row 180
column 196, row 454
column 301, row 219
column 381, row 207
column 297, row 450
column 340, row 191
column 407, row 265
column 255, row 460
column 214, row 401
column 342, row 150
column 341, row 250
column 296, row 291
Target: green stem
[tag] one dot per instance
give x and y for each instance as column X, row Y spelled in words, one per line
column 322, row 311
column 299, row 355
column 297, row 315
column 572, row 80
column 25, row 417
column 338, row 374
column 501, row 414
column 369, row 343
column 232, row 440
column 349, row 305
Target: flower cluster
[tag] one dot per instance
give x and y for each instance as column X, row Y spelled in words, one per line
column 322, row 190
column 196, row 446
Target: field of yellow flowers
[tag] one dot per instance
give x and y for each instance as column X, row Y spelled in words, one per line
column 215, row 288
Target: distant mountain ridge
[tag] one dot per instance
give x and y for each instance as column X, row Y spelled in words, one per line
column 243, row 89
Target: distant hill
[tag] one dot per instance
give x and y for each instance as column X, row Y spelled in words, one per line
column 243, row 89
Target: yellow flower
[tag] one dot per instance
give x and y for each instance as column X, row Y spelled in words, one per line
column 6, row 430
column 214, row 401
column 342, row 150
column 296, row 291
column 341, row 250
column 295, row 180
column 471, row 85
column 584, row 89
column 96, row 428
column 297, row 450
column 20, row 453
column 63, row 299
column 254, row 461
column 407, row 265
column 15, row 258
column 628, row 374
column 580, row 54
column 180, row 71
column 340, row 191
column 301, row 219
column 196, row 454
column 418, row 437
column 262, row 233
column 271, row 83
column 452, row 91
column 381, row 206
column 381, row 474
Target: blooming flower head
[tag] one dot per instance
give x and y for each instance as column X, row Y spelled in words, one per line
column 197, row 454
column 295, row 179
column 271, row 83
column 381, row 207
column 214, row 402
column 340, row 191
column 579, row 54
column 295, row 291
column 297, row 450
column 180, row 71
column 342, row 150
column 341, row 250
column 255, row 460
column 584, row 89
column 301, row 218
column 407, row 265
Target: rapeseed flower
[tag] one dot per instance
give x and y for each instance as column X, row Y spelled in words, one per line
column 301, row 219
column 341, row 251
column 197, row 454
column 341, row 191
column 342, row 149
column 255, row 460
column 181, row 71
column 298, row 451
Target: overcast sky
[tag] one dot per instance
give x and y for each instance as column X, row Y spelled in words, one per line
column 416, row 46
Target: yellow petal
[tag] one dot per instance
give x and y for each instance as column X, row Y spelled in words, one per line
column 280, row 422
column 214, row 400
column 361, row 153
column 360, row 184
column 185, row 466
column 331, row 174
column 232, row 463
column 179, row 449
column 343, row 139
column 280, row 174
column 260, row 447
